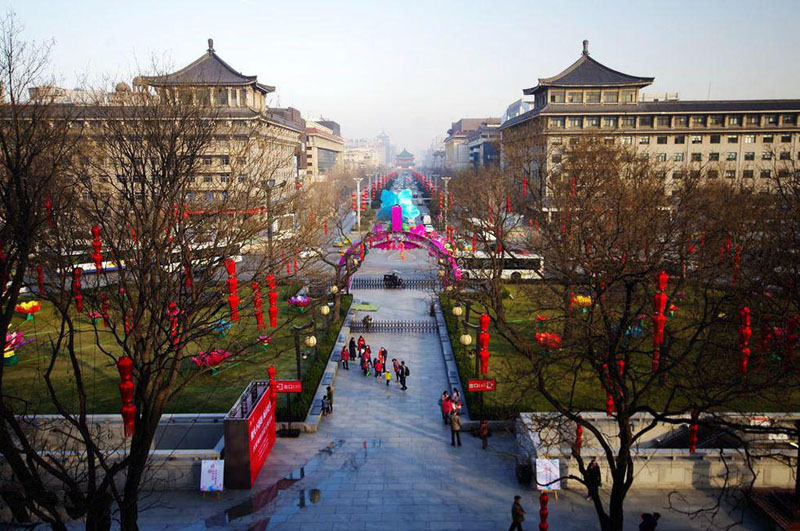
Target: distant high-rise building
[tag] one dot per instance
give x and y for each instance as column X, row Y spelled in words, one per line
column 456, row 149
column 404, row 159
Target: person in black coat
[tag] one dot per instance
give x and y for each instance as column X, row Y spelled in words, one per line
column 352, row 348
column 593, row 478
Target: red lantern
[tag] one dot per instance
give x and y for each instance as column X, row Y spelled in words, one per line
column 104, row 307
column 656, row 360
column 543, row 512
column 693, row 433
column 659, row 322
column 524, row 187
column 660, row 302
column 125, row 367
column 578, row 438
column 474, row 243
column 661, row 281
column 271, row 281
column 233, row 303
column 97, row 256
column 325, row 227
column 621, row 369
column 40, row 278
column 126, row 391
column 483, row 355
column 230, row 266
column 484, row 321
column 483, row 340
column 508, row 205
column 273, row 316
column 188, row 283
column 609, row 405
column 233, row 284
column 76, row 288
column 129, row 419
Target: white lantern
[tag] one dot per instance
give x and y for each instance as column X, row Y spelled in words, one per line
column 458, row 310
column 334, row 289
column 466, row 339
column 310, row 341
column 325, row 310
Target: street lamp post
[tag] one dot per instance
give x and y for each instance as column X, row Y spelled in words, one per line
column 446, row 200
column 358, row 203
column 310, row 341
column 466, row 342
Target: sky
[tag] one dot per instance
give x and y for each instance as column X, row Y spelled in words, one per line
column 412, row 68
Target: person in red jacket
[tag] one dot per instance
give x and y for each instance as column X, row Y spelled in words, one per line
column 446, row 405
column 345, row 357
column 361, row 342
column 378, row 367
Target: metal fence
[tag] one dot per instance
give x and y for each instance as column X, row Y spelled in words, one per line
column 395, row 327
column 430, row 284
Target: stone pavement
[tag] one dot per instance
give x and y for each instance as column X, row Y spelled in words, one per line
column 383, row 460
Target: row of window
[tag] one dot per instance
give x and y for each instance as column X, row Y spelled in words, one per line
column 698, row 157
column 676, row 121
column 730, row 174
column 694, row 139
column 224, row 160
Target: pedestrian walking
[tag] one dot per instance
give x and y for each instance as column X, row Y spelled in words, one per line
column 388, row 376
column 404, row 372
column 378, row 367
column 326, row 406
column 361, row 342
column 455, row 428
column 329, row 396
column 483, row 433
column 345, row 357
column 446, row 406
column 455, row 398
column 517, row 514
column 649, row 521
column 396, row 366
column 593, row 478
column 352, row 348
column 365, row 364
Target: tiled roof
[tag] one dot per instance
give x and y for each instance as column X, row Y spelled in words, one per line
column 586, row 72
column 655, row 107
column 208, row 69
column 404, row 155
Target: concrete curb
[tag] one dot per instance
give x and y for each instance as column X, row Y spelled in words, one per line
column 450, row 363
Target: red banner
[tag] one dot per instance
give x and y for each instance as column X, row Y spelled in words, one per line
column 289, row 386
column 261, row 434
column 482, row 385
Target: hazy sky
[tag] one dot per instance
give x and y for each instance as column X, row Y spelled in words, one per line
column 411, row 68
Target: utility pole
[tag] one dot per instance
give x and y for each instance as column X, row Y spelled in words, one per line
column 358, row 203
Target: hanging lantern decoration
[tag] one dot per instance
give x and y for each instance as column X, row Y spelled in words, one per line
column 621, row 369
column 693, row 433
column 353, row 201
column 40, row 278
column 474, row 243
column 325, row 227
column 125, row 368
column 483, row 343
column 548, row 340
column 188, row 282
column 543, row 512
column 578, row 437
column 524, row 187
column 259, row 313
column 128, row 325
column 508, row 205
column 272, row 295
column 173, row 312
column 609, row 405
column 48, row 207
column 104, row 307
column 659, row 319
column 233, row 286
column 97, row 245
column 76, row 288
column 745, row 333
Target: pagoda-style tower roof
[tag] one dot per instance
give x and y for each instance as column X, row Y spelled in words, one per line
column 585, row 73
column 208, row 70
column 405, row 155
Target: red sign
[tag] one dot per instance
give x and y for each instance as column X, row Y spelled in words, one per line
column 482, row 385
column 261, row 434
column 289, row 386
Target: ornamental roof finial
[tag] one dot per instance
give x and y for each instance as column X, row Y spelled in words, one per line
column 585, row 47
column 211, row 45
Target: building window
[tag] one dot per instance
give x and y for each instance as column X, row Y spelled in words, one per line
column 714, row 139
column 753, row 119
column 713, row 174
column 730, row 174
column 747, row 174
column 608, row 140
column 593, row 97
column 206, row 161
column 558, row 123
column 734, row 119
column 716, row 120
column 786, row 138
column 626, row 140
column 733, row 139
column 225, row 160
column 645, row 121
column 681, row 121
column 731, row 155
column 694, row 174
column 677, row 157
column 713, row 156
column 221, row 97
column 662, row 121
column 574, row 97
column 592, row 121
column 661, row 175
column 661, row 157
column 765, row 174
column 242, row 178
column 698, row 121
column 611, row 96
column 677, row 175
column 610, row 122
column 208, row 178
column 576, row 122
column 557, row 140
column 573, row 140
column 628, row 96
column 697, row 139
column 644, row 140
column 209, row 196
column 556, row 97
column 767, row 139
column 749, row 139
column 785, row 155
column 680, row 139
column 644, row 155
column 243, row 97
column 203, row 97
column 697, row 157
column 749, row 155
column 766, row 155
column 628, row 121
column 771, row 119
column 789, row 119
column 224, row 177
column 661, row 139
column 556, row 158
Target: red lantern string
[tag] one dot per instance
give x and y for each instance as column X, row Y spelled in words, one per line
column 104, row 307
column 508, row 205
column 97, row 244
column 578, row 437
column 474, row 243
column 126, row 388
column 128, row 325
column 609, row 405
column 745, row 333
column 524, row 187
column 76, row 288
column 172, row 314
column 693, row 433
column 325, row 227
column 272, row 295
column 659, row 319
column 543, row 512
column 40, row 278
column 188, row 282
column 259, row 313
column 233, row 286
column 483, row 343
column 48, row 207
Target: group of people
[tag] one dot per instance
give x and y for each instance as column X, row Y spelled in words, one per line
column 377, row 366
column 450, row 405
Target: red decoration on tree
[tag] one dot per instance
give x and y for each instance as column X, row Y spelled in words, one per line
column 173, row 312
column 578, row 437
column 126, row 388
column 233, row 286
column 188, row 282
column 621, row 369
column 325, row 227
column 543, row 512
column 76, row 288
column 609, row 405
column 40, row 278
column 659, row 319
column 693, row 433
column 745, row 333
column 104, row 307
column 483, row 343
column 259, row 313
column 271, row 282
column 233, row 304
column 548, row 340
column 474, row 243
column 508, row 205
column 48, row 207
column 524, row 187
column 97, row 245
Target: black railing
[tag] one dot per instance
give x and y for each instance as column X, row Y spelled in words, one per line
column 430, row 284
column 393, row 327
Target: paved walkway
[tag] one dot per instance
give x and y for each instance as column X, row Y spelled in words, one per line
column 383, row 460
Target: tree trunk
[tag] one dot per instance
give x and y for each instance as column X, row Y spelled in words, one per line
column 98, row 516
column 797, row 467
column 337, row 307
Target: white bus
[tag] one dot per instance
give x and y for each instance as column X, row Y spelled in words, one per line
column 517, row 265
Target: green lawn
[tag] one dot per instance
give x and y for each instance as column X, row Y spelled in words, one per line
column 206, row 393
